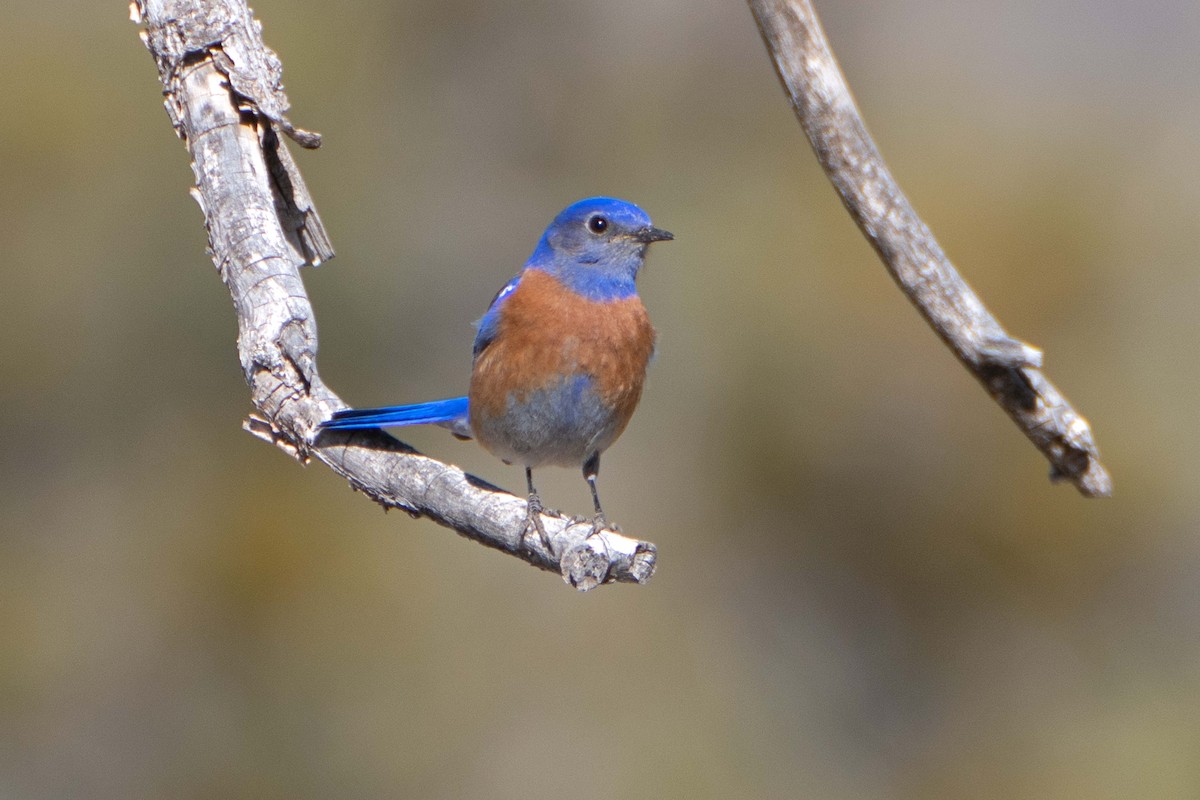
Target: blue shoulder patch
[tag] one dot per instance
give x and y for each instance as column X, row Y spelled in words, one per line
column 490, row 321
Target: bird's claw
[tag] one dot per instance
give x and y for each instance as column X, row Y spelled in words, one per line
column 601, row 523
column 533, row 522
column 598, row 522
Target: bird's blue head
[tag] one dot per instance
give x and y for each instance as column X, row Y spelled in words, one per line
column 596, row 247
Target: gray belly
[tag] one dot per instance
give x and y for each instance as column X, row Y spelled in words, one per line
column 562, row 424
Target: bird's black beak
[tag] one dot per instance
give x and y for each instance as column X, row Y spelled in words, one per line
column 648, row 234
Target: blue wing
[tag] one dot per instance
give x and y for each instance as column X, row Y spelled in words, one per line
column 450, row 413
column 489, row 323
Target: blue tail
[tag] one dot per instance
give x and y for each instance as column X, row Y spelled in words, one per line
column 451, row 413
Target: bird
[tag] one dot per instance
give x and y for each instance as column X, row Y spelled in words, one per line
column 560, row 356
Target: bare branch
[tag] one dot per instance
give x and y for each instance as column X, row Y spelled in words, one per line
column 1007, row 367
column 223, row 94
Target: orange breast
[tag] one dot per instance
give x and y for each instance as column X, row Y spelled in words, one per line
column 547, row 332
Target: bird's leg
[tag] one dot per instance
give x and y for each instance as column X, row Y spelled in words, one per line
column 533, row 518
column 591, row 468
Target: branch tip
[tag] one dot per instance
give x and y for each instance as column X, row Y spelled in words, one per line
column 1007, row 367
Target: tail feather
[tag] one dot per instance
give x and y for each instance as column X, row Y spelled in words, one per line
column 450, row 413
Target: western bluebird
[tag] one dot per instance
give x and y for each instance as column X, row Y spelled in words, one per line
column 560, row 355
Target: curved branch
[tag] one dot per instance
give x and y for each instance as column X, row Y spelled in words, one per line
column 1007, row 367
column 222, row 91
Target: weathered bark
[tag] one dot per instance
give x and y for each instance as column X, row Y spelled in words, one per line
column 223, row 94
column 1009, row 369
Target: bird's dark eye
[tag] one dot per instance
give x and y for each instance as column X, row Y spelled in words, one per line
column 597, row 224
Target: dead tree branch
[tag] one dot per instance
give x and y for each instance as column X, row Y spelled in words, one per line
column 223, row 94
column 1008, row 368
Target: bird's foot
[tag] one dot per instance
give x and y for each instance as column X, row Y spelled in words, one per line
column 533, row 522
column 598, row 522
column 601, row 523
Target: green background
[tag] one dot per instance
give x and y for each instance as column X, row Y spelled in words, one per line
column 867, row 586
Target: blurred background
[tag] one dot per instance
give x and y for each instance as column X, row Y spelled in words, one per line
column 867, row 586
